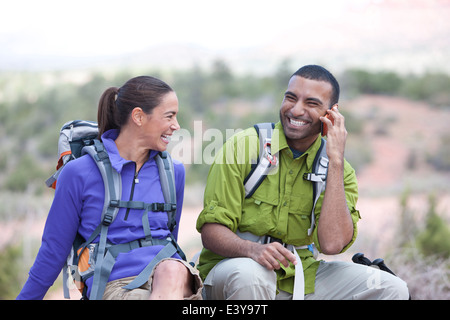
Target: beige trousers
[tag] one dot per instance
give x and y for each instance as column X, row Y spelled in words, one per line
column 114, row 290
column 245, row 279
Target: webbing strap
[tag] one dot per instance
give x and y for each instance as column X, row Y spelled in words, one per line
column 99, row 282
column 258, row 175
column 139, row 205
column 111, row 179
column 167, row 179
column 65, row 281
column 299, row 279
column 168, row 251
column 318, row 178
column 146, row 207
column 107, row 254
column 104, row 269
column 146, row 224
column 266, row 161
column 113, row 187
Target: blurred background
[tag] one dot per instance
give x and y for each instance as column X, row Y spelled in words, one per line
column 229, row 63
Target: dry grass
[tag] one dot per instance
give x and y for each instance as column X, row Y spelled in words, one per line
column 428, row 278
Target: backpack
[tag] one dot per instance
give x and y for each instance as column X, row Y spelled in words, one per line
column 88, row 259
column 267, row 162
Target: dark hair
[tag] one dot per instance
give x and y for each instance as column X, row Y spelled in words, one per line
column 315, row 72
column 116, row 104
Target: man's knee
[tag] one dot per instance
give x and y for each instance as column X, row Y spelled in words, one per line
column 385, row 286
column 247, row 272
column 241, row 278
column 395, row 289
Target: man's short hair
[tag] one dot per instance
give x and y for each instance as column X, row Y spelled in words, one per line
column 315, row 72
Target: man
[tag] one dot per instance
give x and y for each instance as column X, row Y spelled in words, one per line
column 255, row 246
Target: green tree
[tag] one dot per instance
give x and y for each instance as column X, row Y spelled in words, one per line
column 10, row 272
column 434, row 240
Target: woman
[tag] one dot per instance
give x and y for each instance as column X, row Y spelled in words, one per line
column 135, row 124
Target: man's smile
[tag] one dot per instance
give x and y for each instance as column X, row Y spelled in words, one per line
column 297, row 123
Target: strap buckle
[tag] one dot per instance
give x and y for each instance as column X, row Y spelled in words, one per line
column 273, row 159
column 161, row 207
column 114, row 203
column 108, row 218
column 269, row 239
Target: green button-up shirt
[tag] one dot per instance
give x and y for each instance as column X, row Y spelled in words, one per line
column 281, row 207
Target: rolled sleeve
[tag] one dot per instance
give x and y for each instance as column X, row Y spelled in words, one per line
column 224, row 192
column 214, row 213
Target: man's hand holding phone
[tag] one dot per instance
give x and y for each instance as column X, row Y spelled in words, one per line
column 328, row 116
column 334, row 128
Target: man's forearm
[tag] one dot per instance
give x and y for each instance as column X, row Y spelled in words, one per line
column 335, row 226
column 221, row 240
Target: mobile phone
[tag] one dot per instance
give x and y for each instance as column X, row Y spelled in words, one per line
column 323, row 126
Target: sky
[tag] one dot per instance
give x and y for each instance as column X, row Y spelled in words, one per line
column 91, row 27
column 54, row 29
column 87, row 27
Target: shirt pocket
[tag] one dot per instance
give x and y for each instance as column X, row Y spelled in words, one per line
column 299, row 219
column 259, row 211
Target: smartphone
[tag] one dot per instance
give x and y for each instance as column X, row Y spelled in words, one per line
column 324, row 127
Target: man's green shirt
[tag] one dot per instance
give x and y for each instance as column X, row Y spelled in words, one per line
column 281, row 206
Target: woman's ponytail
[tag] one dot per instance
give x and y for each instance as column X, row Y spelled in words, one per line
column 106, row 116
column 116, row 104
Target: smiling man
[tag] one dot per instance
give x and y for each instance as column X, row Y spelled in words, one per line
column 259, row 246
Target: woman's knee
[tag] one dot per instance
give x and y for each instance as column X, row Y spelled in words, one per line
column 171, row 269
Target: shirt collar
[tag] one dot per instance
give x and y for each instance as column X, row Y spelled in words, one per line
column 279, row 143
column 117, row 162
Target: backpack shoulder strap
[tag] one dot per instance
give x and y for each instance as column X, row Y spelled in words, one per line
column 111, row 179
column 264, row 131
column 113, row 190
column 167, row 178
column 266, row 161
column 318, row 177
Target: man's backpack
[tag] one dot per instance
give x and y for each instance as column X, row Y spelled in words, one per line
column 268, row 162
column 89, row 259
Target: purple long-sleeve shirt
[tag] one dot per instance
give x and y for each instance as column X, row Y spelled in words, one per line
column 77, row 207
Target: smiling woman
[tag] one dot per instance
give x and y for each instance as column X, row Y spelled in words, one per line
column 159, row 125
column 117, row 104
column 144, row 109
column 135, row 124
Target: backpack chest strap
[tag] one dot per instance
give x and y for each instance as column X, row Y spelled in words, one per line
column 139, row 205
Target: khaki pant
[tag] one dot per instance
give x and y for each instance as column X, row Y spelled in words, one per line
column 114, row 290
column 244, row 278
